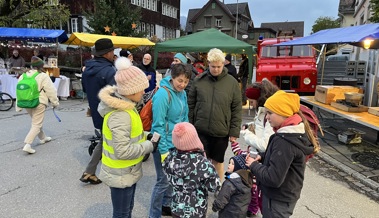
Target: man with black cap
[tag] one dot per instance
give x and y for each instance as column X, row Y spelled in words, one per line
column 231, row 68
column 98, row 73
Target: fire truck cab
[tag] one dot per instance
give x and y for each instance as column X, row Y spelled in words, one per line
column 291, row 68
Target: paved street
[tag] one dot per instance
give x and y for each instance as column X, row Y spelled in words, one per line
column 46, row 184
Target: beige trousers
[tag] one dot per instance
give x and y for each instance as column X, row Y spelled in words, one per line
column 37, row 114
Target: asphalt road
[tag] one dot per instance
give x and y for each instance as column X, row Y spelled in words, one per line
column 46, row 184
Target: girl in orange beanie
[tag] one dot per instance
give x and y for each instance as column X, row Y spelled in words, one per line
column 280, row 169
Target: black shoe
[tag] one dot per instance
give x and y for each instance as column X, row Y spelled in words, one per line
column 166, row 211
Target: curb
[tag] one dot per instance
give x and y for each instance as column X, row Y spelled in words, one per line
column 366, row 181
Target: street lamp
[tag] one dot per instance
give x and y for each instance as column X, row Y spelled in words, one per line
column 237, row 21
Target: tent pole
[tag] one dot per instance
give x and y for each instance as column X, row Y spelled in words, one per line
column 81, row 58
column 323, row 50
column 57, row 50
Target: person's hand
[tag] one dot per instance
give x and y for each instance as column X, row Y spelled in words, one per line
column 163, row 156
column 149, row 77
column 250, row 160
column 232, row 139
column 55, row 105
column 245, row 126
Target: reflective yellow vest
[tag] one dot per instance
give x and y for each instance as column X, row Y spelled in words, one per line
column 109, row 159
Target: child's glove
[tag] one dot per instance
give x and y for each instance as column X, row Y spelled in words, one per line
column 155, row 144
column 163, row 156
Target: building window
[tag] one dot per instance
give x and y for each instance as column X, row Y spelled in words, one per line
column 148, row 29
column 154, row 5
column 152, row 32
column 133, row 2
column 138, row 2
column 143, row 3
column 148, row 4
column 163, row 9
column 362, row 19
column 218, row 22
column 143, row 27
column 207, row 21
column 174, row 13
column 74, row 25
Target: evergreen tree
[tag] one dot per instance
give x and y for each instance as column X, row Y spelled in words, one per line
column 37, row 13
column 374, row 6
column 114, row 17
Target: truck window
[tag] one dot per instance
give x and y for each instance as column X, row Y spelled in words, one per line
column 285, row 51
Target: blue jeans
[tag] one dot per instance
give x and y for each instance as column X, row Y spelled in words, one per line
column 162, row 191
column 123, row 201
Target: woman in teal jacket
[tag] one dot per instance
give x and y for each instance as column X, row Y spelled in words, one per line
column 169, row 108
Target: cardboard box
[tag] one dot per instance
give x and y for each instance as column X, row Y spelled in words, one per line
column 328, row 94
column 52, row 71
column 373, row 110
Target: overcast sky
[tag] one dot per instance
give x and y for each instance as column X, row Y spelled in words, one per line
column 266, row 11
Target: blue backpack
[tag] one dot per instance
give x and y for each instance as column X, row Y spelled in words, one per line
column 27, row 92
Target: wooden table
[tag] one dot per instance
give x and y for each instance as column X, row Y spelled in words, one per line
column 363, row 118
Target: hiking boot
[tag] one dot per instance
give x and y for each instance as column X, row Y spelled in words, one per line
column 166, row 211
column 46, row 139
column 28, row 148
column 88, row 114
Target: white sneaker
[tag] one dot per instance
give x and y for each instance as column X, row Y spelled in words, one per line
column 46, row 139
column 28, row 148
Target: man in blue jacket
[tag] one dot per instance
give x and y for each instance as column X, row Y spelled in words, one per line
column 98, row 73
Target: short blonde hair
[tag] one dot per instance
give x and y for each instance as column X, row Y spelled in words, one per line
column 216, row 55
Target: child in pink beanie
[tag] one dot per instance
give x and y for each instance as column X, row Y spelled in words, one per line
column 190, row 173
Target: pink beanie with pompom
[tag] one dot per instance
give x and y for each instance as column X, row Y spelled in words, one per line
column 129, row 79
column 185, row 138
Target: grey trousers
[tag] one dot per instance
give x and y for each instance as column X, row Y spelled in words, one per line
column 95, row 158
column 276, row 209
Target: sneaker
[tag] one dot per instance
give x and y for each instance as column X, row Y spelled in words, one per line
column 88, row 178
column 166, row 211
column 28, row 148
column 46, row 139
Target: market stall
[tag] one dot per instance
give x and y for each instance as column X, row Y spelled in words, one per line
column 204, row 41
column 8, row 83
column 87, row 39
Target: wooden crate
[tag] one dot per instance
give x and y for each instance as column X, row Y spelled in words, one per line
column 373, row 110
column 328, row 94
column 360, row 108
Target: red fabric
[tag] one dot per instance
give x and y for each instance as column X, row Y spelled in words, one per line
column 290, row 121
column 253, row 93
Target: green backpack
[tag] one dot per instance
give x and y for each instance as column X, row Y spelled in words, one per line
column 27, row 92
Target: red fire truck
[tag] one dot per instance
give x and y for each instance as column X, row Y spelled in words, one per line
column 289, row 67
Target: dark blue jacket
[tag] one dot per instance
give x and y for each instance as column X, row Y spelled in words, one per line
column 149, row 70
column 99, row 72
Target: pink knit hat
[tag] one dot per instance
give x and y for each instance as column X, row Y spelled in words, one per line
column 129, row 79
column 185, row 138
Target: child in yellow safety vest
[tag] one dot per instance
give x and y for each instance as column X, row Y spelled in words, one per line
column 124, row 141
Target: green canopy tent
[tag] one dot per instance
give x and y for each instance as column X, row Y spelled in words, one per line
column 204, row 41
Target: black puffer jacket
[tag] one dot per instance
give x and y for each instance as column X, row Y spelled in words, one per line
column 215, row 105
column 281, row 174
column 235, row 195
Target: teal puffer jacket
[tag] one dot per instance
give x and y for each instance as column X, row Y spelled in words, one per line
column 215, row 105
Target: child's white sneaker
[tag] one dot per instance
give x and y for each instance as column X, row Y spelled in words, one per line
column 46, row 139
column 28, row 148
